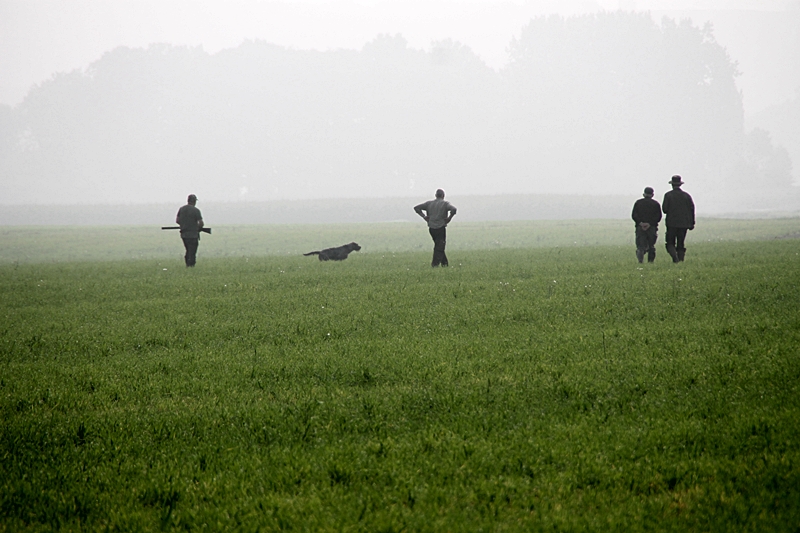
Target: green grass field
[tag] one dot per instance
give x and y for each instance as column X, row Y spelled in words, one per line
column 29, row 244
column 545, row 382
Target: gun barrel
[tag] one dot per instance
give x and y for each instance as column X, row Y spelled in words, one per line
column 204, row 230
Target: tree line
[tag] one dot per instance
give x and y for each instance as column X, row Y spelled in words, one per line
column 600, row 103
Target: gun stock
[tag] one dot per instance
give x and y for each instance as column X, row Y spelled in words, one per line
column 204, row 230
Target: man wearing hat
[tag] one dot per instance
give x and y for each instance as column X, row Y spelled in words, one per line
column 191, row 222
column 679, row 208
column 646, row 215
column 438, row 213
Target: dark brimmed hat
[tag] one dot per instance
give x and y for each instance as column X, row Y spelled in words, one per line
column 676, row 180
column 648, row 191
column 192, row 197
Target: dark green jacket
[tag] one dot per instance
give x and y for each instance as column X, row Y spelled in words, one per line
column 188, row 218
column 646, row 210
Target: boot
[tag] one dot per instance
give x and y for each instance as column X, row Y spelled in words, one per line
column 640, row 255
column 672, row 253
column 651, row 255
column 681, row 253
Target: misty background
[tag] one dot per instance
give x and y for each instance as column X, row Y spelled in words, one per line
column 517, row 110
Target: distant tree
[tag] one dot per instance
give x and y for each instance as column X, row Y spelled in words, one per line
column 595, row 103
column 614, row 98
column 762, row 164
column 8, row 131
column 782, row 121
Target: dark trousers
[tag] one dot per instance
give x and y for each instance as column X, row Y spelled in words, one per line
column 439, row 236
column 676, row 237
column 191, row 245
column 646, row 243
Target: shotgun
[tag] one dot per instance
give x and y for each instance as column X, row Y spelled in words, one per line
column 204, row 230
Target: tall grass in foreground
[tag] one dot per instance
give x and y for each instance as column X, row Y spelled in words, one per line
column 518, row 390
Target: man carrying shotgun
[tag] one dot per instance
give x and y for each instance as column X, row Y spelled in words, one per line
column 191, row 222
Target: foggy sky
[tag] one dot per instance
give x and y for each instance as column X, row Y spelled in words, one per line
column 41, row 37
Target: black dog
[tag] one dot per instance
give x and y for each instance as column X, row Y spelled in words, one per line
column 339, row 253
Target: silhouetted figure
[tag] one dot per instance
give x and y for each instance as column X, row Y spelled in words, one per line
column 438, row 213
column 190, row 220
column 679, row 208
column 646, row 214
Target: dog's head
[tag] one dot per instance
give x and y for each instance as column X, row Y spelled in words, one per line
column 354, row 246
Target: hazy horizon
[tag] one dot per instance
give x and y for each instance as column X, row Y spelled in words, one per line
column 112, row 102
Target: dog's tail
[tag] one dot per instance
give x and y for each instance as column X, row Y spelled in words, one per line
column 312, row 253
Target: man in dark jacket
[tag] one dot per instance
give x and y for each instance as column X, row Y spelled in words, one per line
column 646, row 215
column 679, row 208
column 190, row 220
